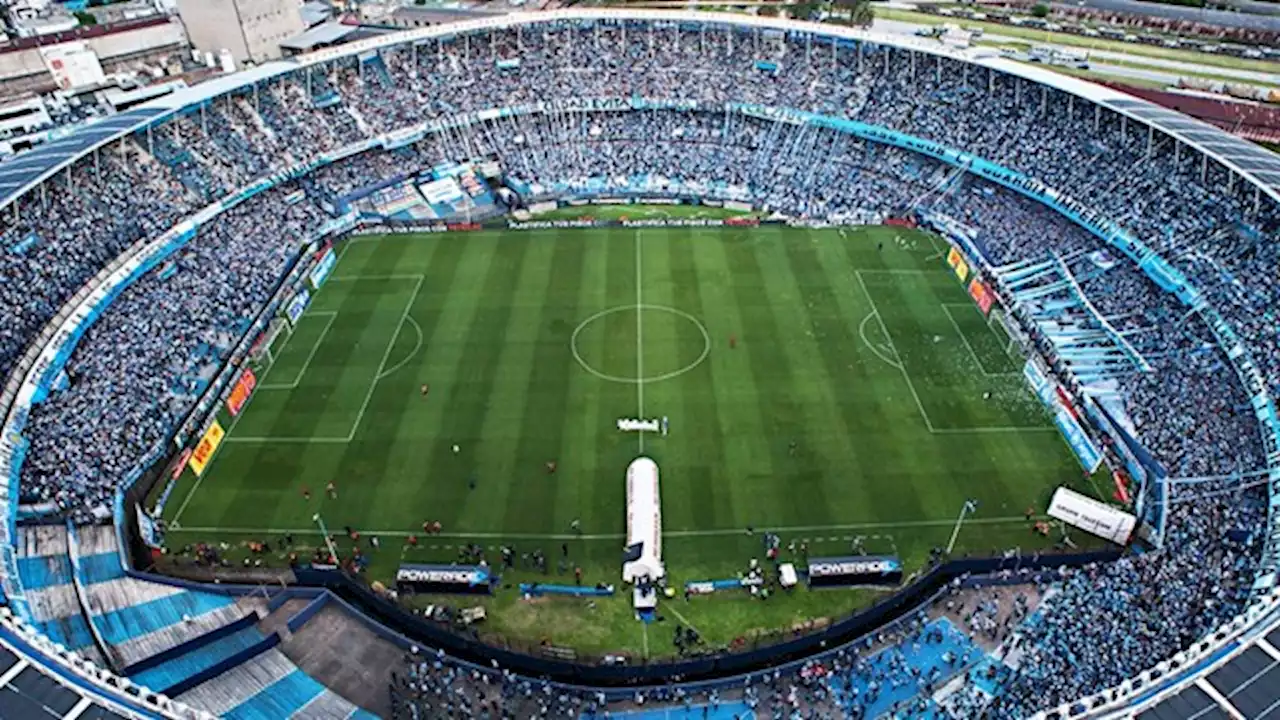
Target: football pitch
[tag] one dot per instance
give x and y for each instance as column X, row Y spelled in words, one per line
column 826, row 385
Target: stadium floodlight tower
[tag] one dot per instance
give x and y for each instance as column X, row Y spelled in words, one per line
column 642, row 563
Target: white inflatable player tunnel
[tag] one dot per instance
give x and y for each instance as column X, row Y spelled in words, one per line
column 644, row 523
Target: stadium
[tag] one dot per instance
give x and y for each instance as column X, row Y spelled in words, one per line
column 450, row 373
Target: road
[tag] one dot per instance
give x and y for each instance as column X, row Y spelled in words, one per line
column 1173, row 67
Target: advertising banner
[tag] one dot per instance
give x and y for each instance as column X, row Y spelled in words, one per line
column 147, row 529
column 208, row 444
column 321, row 271
column 297, row 304
column 855, row 570
column 1088, row 454
column 981, row 295
column 241, row 391
column 457, row 579
column 958, row 264
column 1064, row 416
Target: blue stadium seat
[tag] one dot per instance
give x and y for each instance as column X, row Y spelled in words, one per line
column 184, row 666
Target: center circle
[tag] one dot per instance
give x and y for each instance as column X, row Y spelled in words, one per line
column 632, row 379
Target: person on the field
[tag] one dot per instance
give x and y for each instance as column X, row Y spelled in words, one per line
column 425, row 389
column 332, row 490
column 576, row 526
column 306, row 493
column 551, row 467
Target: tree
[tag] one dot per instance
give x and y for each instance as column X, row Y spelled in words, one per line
column 1040, row 10
column 805, row 10
column 857, row 12
column 85, row 18
column 767, row 10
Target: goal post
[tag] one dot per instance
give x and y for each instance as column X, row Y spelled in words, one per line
column 263, row 354
column 1018, row 345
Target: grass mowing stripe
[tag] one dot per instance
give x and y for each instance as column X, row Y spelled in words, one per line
column 496, row 311
column 856, row 417
column 781, row 413
column 544, row 382
column 588, row 402
column 371, row 468
column 698, row 441
column 640, row 377
column 476, row 374
column 737, row 402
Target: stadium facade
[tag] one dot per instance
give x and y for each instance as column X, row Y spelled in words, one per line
column 1249, row 176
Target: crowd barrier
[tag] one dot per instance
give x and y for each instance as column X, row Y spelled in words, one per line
column 300, row 618
column 728, row 665
column 222, row 666
column 187, row 646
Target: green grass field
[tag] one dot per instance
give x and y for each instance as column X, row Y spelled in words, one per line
column 871, row 360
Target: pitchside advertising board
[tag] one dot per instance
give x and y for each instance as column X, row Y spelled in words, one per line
column 241, row 391
column 323, row 267
column 1064, row 416
column 456, row 579
column 854, row 570
column 296, row 306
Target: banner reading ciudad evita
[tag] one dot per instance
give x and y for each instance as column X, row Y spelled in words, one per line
column 206, row 447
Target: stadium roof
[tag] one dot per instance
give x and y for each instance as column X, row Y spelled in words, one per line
column 1254, row 164
column 30, row 689
column 1245, row 686
column 28, row 168
column 323, row 34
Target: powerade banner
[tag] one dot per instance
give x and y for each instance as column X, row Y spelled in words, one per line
column 321, row 271
column 457, row 579
column 241, row 391
column 297, row 304
column 208, row 444
column 981, row 295
column 855, row 570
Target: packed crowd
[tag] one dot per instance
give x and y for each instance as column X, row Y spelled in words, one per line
column 141, row 367
column 892, row 671
column 143, row 364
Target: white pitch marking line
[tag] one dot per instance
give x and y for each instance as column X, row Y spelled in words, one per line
column 671, row 607
column 639, row 342
column 332, row 315
column 228, row 438
column 385, row 354
column 414, row 351
column 889, row 338
column 721, row 532
column 862, row 331
column 946, row 309
column 911, row 385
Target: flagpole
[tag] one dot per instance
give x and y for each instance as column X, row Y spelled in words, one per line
column 319, row 521
column 955, row 532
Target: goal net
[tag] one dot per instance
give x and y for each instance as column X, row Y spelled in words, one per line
column 1016, row 344
column 263, row 353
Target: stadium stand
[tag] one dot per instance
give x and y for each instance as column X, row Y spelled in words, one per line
column 45, row 569
column 621, row 107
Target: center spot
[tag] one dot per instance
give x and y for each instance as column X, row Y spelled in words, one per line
column 664, row 343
